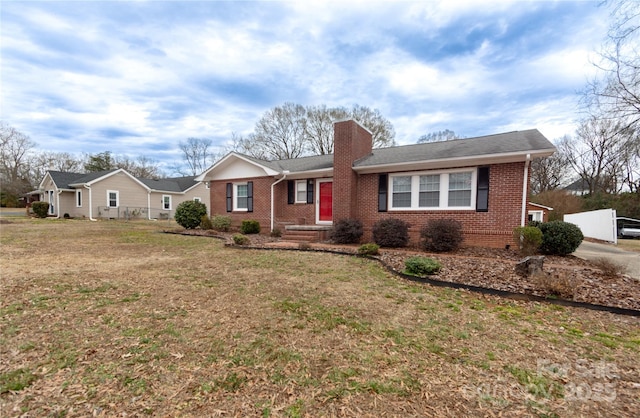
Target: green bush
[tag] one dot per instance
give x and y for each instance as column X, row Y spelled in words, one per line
column 346, row 231
column 221, row 223
column 205, row 223
column 441, row 235
column 560, row 238
column 421, row 266
column 528, row 238
column 189, row 214
column 250, row 226
column 40, row 209
column 240, row 239
column 368, row 249
column 391, row 232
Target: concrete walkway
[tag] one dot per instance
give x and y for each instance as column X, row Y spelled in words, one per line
column 591, row 250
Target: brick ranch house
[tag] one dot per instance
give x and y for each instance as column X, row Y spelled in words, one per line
column 481, row 182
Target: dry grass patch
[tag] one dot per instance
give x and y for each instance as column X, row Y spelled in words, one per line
column 109, row 318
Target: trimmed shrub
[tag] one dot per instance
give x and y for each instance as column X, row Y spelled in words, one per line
column 189, row 214
column 205, row 223
column 391, row 232
column 346, row 231
column 240, row 239
column 421, row 266
column 40, row 209
column 221, row 223
column 560, row 238
column 528, row 238
column 368, row 249
column 250, row 226
column 441, row 235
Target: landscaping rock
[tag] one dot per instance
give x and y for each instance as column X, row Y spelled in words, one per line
column 530, row 266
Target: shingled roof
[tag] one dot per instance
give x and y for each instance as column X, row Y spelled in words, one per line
column 64, row 180
column 528, row 141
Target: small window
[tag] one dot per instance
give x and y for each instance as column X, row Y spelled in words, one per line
column 402, row 192
column 112, row 198
column 166, row 202
column 535, row 215
column 430, row 191
column 78, row 198
column 460, row 189
column 197, row 199
column 301, row 191
column 241, row 196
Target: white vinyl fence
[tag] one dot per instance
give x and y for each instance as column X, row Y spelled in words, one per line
column 598, row 224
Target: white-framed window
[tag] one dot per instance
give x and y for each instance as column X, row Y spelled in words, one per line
column 433, row 190
column 113, row 198
column 535, row 215
column 166, row 202
column 78, row 198
column 240, row 192
column 301, row 191
column 197, row 199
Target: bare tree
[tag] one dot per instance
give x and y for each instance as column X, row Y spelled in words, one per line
column 14, row 170
column 549, row 173
column 319, row 132
column 438, row 136
column 615, row 93
column 196, row 153
column 280, row 133
column 381, row 129
column 41, row 162
column 141, row 167
column 597, row 154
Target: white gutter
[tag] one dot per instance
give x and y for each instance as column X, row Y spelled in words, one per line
column 525, row 187
column 90, row 203
column 273, row 185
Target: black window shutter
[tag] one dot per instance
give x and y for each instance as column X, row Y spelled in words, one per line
column 229, row 197
column 310, row 191
column 382, row 192
column 291, row 191
column 482, row 198
column 249, row 196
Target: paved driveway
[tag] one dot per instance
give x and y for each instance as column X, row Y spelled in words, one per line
column 592, row 250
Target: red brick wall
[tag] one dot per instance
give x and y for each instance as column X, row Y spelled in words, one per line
column 493, row 228
column 351, row 142
column 294, row 214
column 261, row 201
column 299, row 213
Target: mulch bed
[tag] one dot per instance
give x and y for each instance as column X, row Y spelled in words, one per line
column 492, row 269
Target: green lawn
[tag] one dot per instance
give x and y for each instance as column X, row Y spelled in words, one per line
column 112, row 318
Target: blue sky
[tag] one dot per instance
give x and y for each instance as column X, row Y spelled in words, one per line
column 137, row 77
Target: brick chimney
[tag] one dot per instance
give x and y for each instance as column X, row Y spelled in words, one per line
column 351, row 141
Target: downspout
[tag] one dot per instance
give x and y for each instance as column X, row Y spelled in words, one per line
column 90, row 204
column 58, row 203
column 149, row 205
column 273, row 185
column 525, row 187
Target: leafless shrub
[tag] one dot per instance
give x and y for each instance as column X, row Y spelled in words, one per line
column 609, row 268
column 558, row 283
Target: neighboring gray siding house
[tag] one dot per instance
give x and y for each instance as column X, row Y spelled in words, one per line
column 117, row 194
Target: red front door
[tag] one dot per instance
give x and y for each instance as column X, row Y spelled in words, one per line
column 325, row 213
